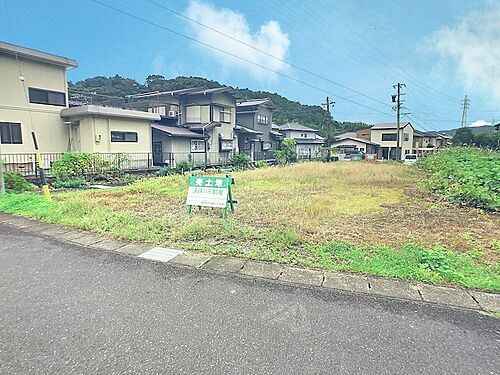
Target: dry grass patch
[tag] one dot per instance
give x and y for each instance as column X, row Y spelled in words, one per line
column 365, row 217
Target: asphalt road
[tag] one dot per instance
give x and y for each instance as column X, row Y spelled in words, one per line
column 69, row 310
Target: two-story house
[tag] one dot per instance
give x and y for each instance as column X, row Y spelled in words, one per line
column 427, row 142
column 34, row 99
column 308, row 142
column 197, row 125
column 385, row 135
column 254, row 128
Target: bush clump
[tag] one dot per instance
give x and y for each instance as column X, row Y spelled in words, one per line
column 15, row 182
column 261, row 164
column 287, row 154
column 241, row 161
column 180, row 168
column 466, row 175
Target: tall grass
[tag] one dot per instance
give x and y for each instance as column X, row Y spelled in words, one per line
column 465, row 175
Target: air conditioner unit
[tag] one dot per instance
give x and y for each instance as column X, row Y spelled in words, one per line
column 172, row 114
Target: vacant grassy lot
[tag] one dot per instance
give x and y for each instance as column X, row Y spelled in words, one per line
column 363, row 217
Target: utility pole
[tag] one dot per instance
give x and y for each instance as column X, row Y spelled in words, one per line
column 2, row 182
column 328, row 115
column 327, row 119
column 397, row 99
column 465, row 107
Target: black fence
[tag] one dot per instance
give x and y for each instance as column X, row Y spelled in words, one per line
column 27, row 165
column 194, row 159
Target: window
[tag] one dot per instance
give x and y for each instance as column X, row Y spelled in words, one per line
column 226, row 145
column 10, row 133
column 261, row 119
column 226, row 115
column 197, row 145
column 266, row 146
column 40, row 96
column 197, row 114
column 222, row 114
column 193, row 113
column 406, row 137
column 389, row 137
column 123, row 137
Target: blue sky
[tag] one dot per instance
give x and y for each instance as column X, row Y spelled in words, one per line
column 442, row 49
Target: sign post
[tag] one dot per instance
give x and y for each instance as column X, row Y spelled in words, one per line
column 212, row 192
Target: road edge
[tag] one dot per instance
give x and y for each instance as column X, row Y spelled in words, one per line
column 465, row 298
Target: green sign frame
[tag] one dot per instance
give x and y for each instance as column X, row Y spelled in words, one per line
column 208, row 191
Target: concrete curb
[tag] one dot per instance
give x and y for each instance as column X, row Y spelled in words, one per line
column 349, row 282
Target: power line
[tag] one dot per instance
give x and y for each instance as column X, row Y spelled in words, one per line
column 379, row 51
column 232, row 54
column 264, row 52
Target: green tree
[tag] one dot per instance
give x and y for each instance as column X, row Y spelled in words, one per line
column 463, row 136
column 488, row 140
column 287, row 154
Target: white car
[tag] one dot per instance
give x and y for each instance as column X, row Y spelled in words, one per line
column 410, row 159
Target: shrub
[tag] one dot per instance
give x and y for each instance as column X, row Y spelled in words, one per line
column 287, row 154
column 166, row 170
column 69, row 183
column 241, row 160
column 16, row 182
column 76, row 164
column 261, row 164
column 183, row 166
column 465, row 175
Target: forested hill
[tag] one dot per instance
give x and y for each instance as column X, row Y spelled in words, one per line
column 286, row 110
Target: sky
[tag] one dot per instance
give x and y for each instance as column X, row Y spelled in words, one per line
column 352, row 51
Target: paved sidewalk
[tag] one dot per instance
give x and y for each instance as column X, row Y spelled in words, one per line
column 353, row 283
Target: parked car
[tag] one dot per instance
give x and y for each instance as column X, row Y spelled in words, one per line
column 410, row 159
column 352, row 155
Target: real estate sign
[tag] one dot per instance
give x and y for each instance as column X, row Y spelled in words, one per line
column 210, row 192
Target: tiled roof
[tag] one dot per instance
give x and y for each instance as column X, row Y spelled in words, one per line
column 296, row 126
column 362, row 140
column 309, row 141
column 276, row 134
column 244, row 129
column 176, row 131
column 389, row 125
column 346, row 135
column 201, row 126
column 256, row 102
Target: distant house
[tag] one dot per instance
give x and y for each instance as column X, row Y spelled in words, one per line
column 385, row 135
column 34, row 97
column 496, row 127
column 349, row 142
column 308, row 142
column 254, row 129
column 196, row 125
column 428, row 142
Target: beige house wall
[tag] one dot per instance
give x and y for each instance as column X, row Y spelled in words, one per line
column 95, row 134
column 44, row 120
column 376, row 137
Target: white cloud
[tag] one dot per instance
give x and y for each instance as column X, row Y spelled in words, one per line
column 269, row 38
column 481, row 123
column 473, row 47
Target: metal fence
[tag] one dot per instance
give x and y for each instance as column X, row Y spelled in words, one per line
column 194, row 159
column 27, row 165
